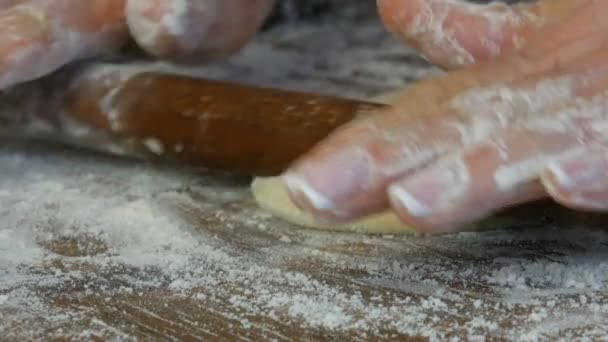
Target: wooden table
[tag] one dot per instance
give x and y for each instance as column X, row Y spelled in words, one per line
column 101, row 248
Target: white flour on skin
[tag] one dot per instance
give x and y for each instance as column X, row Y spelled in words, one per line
column 185, row 22
column 429, row 28
column 63, row 44
column 475, row 117
column 486, row 111
column 573, row 127
column 145, row 31
column 174, row 21
column 545, row 108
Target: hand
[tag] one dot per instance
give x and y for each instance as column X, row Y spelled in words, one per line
column 525, row 117
column 40, row 36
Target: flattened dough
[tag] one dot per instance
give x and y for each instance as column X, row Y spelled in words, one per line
column 271, row 195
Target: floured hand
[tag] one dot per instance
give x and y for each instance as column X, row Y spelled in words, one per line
column 525, row 117
column 40, row 36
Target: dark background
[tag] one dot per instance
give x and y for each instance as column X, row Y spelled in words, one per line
column 293, row 10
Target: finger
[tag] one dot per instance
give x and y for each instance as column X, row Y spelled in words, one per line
column 579, row 180
column 193, row 29
column 453, row 34
column 497, row 174
column 473, row 184
column 560, row 47
column 4, row 4
column 424, row 124
column 577, row 35
column 40, row 37
column 346, row 177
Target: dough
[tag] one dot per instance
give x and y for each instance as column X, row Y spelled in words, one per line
column 271, row 195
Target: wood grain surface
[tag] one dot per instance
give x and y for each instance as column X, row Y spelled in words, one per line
column 105, row 248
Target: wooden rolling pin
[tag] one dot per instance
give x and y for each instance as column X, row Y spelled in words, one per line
column 217, row 125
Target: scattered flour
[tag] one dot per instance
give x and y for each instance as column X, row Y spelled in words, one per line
column 81, row 229
column 129, row 225
column 154, row 145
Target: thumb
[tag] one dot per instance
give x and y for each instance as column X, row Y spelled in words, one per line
column 453, row 34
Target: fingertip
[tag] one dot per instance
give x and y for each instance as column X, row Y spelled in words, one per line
column 421, row 218
column 454, row 34
column 581, row 201
column 304, row 195
column 551, row 181
column 409, row 205
column 581, row 170
column 409, row 210
column 397, row 14
column 195, row 30
column 578, row 180
column 159, row 26
column 337, row 182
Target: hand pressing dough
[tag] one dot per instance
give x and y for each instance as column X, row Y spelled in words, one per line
column 271, row 195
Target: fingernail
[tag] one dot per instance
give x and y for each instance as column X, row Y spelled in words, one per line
column 432, row 191
column 579, row 171
column 301, row 188
column 324, row 186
